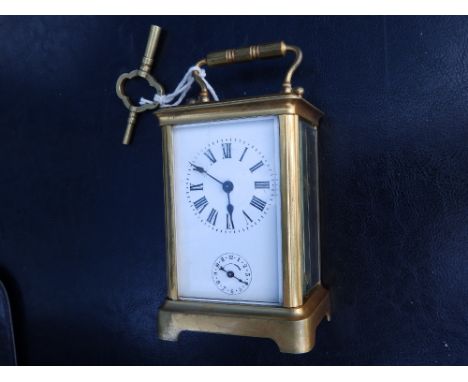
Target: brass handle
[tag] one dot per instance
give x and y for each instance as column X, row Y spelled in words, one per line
column 254, row 52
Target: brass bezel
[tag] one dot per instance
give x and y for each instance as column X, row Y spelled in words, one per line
column 289, row 108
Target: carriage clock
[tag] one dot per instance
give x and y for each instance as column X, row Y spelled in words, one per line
column 241, row 208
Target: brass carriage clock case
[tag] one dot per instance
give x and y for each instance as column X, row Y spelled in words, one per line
column 292, row 325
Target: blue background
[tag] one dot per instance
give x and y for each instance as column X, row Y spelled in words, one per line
column 81, row 215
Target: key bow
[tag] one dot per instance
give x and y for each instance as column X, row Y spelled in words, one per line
column 143, row 72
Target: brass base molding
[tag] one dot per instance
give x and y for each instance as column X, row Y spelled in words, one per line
column 292, row 329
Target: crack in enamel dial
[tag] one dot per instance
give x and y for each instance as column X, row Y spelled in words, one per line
column 230, row 185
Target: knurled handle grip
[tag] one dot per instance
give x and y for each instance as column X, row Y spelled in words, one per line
column 254, row 52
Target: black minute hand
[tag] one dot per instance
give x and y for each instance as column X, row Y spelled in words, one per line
column 201, row 170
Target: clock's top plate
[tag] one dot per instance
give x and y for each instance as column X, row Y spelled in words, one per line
column 239, row 108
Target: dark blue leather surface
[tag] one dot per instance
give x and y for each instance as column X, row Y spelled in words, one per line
column 81, row 226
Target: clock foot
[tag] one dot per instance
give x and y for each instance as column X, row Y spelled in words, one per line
column 292, row 329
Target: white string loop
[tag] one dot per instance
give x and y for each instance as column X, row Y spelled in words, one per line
column 181, row 90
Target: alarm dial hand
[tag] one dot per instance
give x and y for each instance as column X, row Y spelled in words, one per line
column 231, row 274
column 243, row 282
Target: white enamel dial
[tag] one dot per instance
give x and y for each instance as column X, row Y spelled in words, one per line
column 230, row 185
column 227, row 202
column 231, row 273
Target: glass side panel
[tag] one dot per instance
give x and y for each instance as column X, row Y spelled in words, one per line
column 311, row 206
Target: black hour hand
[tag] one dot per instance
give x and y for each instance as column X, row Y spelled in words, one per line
column 230, row 209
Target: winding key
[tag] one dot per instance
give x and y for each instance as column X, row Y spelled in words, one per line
column 143, row 72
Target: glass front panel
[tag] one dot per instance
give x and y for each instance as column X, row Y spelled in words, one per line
column 228, row 211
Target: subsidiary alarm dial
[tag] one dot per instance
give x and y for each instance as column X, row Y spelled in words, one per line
column 231, row 274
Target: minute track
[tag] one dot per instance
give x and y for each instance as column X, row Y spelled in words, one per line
column 240, row 169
